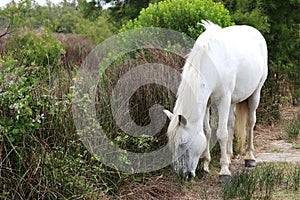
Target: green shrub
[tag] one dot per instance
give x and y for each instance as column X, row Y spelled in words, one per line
column 24, row 81
column 37, row 48
column 181, row 15
column 41, row 155
column 34, row 114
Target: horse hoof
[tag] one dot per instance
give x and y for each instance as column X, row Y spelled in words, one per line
column 250, row 163
column 224, row 178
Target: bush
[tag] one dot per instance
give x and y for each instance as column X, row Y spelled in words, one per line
column 181, row 15
column 35, row 121
column 25, row 98
column 41, row 155
column 39, row 48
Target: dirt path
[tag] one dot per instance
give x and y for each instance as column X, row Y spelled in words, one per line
column 271, row 142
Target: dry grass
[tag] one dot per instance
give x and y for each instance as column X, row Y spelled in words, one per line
column 153, row 188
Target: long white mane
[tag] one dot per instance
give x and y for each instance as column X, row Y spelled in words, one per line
column 189, row 90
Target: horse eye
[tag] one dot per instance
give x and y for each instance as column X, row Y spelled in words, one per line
column 183, row 144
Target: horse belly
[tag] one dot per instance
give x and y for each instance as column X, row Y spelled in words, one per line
column 244, row 88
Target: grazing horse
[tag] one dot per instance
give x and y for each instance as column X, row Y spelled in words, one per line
column 226, row 67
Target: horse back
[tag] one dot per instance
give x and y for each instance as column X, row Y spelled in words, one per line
column 239, row 56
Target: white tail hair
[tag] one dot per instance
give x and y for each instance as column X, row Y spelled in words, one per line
column 241, row 121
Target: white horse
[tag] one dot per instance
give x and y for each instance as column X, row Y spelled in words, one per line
column 226, row 67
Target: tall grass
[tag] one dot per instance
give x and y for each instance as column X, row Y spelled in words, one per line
column 263, row 182
column 293, row 128
column 140, row 102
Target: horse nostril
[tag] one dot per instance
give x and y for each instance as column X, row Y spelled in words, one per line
column 190, row 175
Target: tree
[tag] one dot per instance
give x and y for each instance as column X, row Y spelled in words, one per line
column 284, row 41
column 125, row 10
column 279, row 22
column 90, row 10
column 250, row 12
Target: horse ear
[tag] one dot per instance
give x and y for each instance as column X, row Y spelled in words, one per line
column 169, row 114
column 182, row 120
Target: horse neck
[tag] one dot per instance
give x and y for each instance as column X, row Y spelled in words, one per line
column 193, row 91
column 192, row 96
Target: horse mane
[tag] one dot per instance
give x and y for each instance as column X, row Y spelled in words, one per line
column 189, row 89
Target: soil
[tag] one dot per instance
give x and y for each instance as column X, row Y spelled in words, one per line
column 271, row 142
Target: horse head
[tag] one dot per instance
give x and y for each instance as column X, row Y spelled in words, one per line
column 185, row 143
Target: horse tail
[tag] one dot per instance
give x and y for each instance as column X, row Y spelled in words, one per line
column 241, row 119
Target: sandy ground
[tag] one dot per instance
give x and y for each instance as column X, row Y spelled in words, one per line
column 271, row 143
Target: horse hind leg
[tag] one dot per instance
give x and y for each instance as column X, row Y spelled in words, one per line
column 222, row 136
column 253, row 103
column 230, row 125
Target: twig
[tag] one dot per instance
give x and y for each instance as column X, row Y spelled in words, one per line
column 7, row 29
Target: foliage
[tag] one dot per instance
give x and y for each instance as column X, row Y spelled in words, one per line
column 268, row 110
column 248, row 12
column 62, row 18
column 96, row 30
column 15, row 14
column 90, row 10
column 23, row 105
column 40, row 154
column 140, row 102
column 181, row 15
column 284, row 41
column 41, row 157
column 40, row 49
column 122, row 11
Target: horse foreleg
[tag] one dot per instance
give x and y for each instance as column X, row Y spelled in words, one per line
column 222, row 136
column 206, row 153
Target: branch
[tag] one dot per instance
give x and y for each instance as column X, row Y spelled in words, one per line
column 6, row 32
